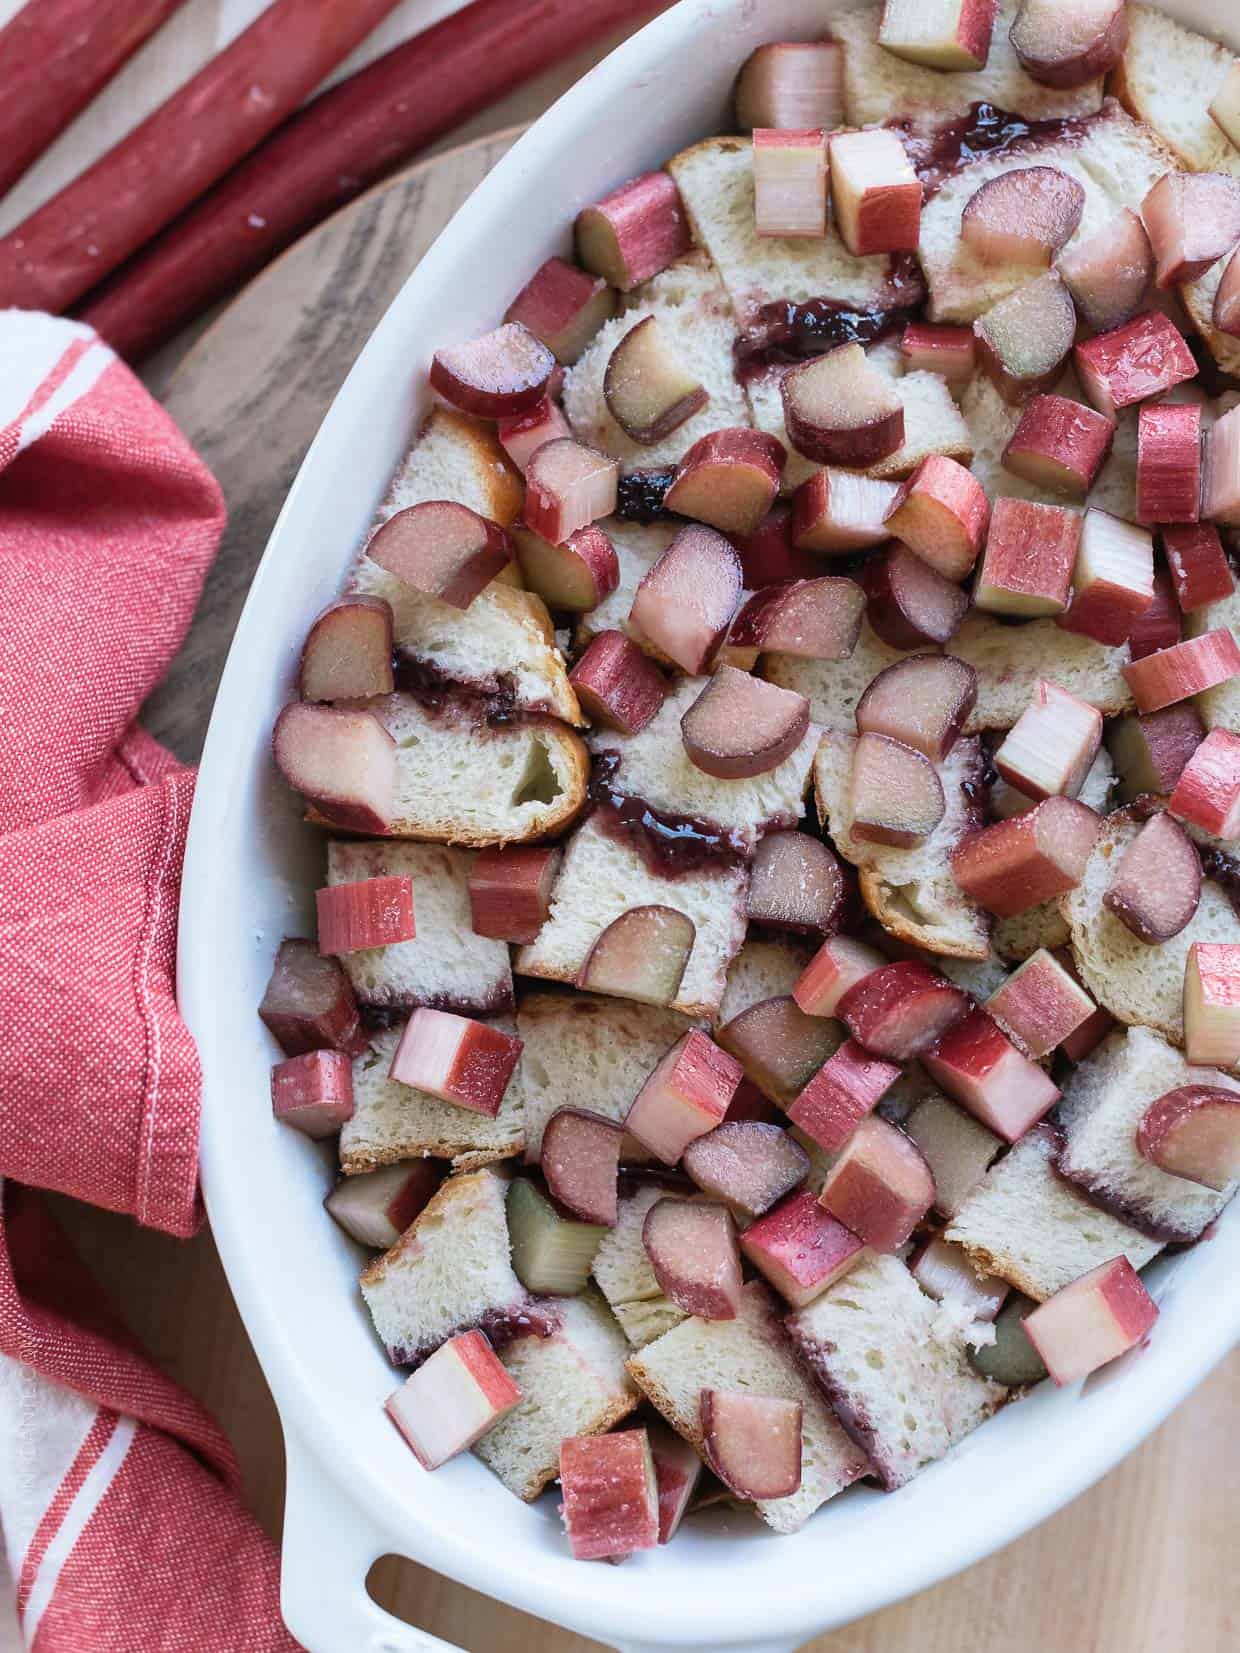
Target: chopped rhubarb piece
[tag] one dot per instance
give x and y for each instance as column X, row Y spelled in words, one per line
column 939, row 34
column 843, row 1091
column 523, row 434
column 1040, row 1004
column 750, row 1104
column 790, row 181
column 877, row 194
column 313, row 1093
column 1109, row 272
column 748, row 1164
column 564, row 307
column 456, row 1059
column 677, row 1469
column 1065, row 46
column 1022, row 217
column 897, row 796
column 1025, row 339
column 618, row 686
column 347, row 654
column 372, row 912
column 800, row 1248
column 1015, row 865
column 1060, row 444
column 958, row 1149
column 813, row 619
column 1192, row 219
column 840, row 410
column 510, row 892
column 1169, row 462
column 1161, row 625
column 503, row 372
column 686, row 602
column 945, row 1270
column 1212, row 1004
column 443, row 549
column 636, row 231
column 687, row 1095
column 567, row 487
column 924, row 702
column 580, row 1159
column 840, row 511
column 1031, row 551
column 752, row 1442
column 1225, row 107
column 1207, row 794
column 641, row 955
column 1113, row 581
column 377, row 1207
column 1086, row 1038
column 769, row 555
column 728, row 479
column 1150, row 752
column 1094, row 1320
column 941, row 513
column 778, row 1045
column 901, row 1009
column 692, row 1249
column 1220, row 493
column 979, row 1067
column 1190, row 667
column 309, row 1003
column 908, row 603
column 740, row 726
column 649, row 390
column 950, row 352
column 344, row 762
column 552, row 1252
column 453, row 1399
column 1199, row 567
column 1132, row 363
column 792, row 84
column 575, row 576
column 839, row 964
column 880, row 1187
column 796, row 884
column 1051, row 747
column 1227, row 300
column 1194, row 1132
column 611, row 1494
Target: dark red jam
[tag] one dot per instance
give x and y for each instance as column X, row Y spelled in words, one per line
column 786, row 332
column 640, row 495
column 493, row 703
column 1224, row 869
column 670, row 845
column 985, row 131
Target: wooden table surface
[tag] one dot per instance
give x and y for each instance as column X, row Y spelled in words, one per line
column 1144, row 1563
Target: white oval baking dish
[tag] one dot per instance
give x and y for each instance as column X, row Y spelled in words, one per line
column 355, row 1491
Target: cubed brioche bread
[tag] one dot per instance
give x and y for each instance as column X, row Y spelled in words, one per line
column 1168, row 77
column 456, row 457
column 572, row 1382
column 878, row 86
column 1104, row 1103
column 446, row 966
column 604, row 875
column 1009, row 660
column 899, row 1380
column 833, row 687
column 584, row 1050
column 911, row 892
column 624, row 1274
column 715, row 179
column 750, row 1353
column 392, row 1122
column 1029, row 1226
column 449, row 1271
column 653, row 765
column 463, row 779
column 764, row 970
column 693, row 310
column 638, row 546
column 1139, row 983
column 1219, row 707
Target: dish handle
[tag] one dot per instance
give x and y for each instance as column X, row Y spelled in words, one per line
column 329, row 1547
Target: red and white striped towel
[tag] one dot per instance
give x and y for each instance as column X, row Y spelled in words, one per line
column 118, row 1495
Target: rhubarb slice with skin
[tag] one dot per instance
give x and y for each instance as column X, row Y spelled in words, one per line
column 686, row 602
column 568, row 486
column 1066, row 46
column 1025, row 339
column 950, row 352
column 510, row 891
column 552, row 1253
column 796, row 884
column 941, row 513
column 1040, row 1005
column 377, row 1207
column 634, row 232
column 880, row 1187
column 456, row 1059
column 1156, row 886
column 792, row 84
column 939, row 34
column 769, row 555
column 443, row 549
column 1151, row 752
column 1060, row 445
column 347, row 654
column 778, row 1046
column 1194, row 1132
column 641, row 955
column 839, row 964
column 523, row 434
column 1131, row 363
column 897, row 796
column 1220, row 493
column 1051, row 747
column 371, row 912
column 692, row 1249
column 1091, row 1322
column 979, row 1067
column 1227, row 300
column 958, row 1149
column 924, row 702
column 945, row 1271
column 617, row 685
column 1031, row 551
column 752, row 1442
column 1172, row 675
column 453, row 1399
column 1161, row 625
column 839, row 511
column 647, row 387
column 729, row 479
column 678, row 1470
column 1084, row 1040
column 611, row 1495
column 843, row 1091
column 1207, row 793
column 687, row 1095
column 901, row 1010
column 574, row 576
column 1192, row 219
column 812, row 619
column 313, row 1093
column 790, row 181
column 308, row 1003
column 740, row 726
column 839, row 410
column 908, row 603
column 801, row 1249
column 1109, row 273
column 1113, row 580
column 344, row 762
column 1169, row 462
column 1200, row 571
column 1212, row 1004
column 1015, row 865
column 580, row 1159
column 748, row 1164
column 564, row 307
column 876, row 193
column 503, row 372
column 1022, row 217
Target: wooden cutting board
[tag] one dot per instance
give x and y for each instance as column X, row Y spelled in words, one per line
column 1143, row 1563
